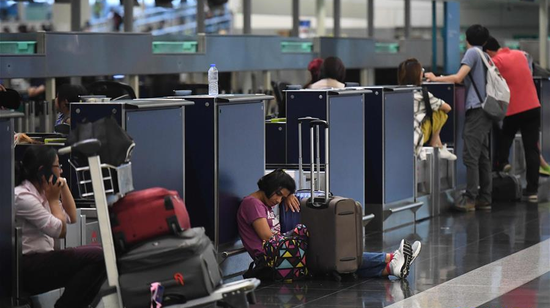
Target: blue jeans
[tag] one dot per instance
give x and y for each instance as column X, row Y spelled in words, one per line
column 373, row 265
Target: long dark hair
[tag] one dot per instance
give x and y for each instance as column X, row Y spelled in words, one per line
column 333, row 68
column 276, row 180
column 35, row 156
column 408, row 73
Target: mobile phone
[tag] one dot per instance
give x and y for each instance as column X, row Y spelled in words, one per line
column 47, row 173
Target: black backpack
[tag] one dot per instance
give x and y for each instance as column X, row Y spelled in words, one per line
column 116, row 144
column 506, row 187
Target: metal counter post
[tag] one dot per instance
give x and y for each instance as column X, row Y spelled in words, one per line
column 7, row 210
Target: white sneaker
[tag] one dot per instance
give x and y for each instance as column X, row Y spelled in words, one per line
column 416, row 246
column 445, row 154
column 399, row 264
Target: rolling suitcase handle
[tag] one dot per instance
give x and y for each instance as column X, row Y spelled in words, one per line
column 316, row 124
column 300, row 158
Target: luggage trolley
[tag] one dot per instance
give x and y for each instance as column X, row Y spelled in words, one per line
column 236, row 294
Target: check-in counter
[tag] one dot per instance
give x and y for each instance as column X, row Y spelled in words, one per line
column 389, row 159
column 7, row 211
column 344, row 111
column 543, row 90
column 459, row 117
column 157, row 127
column 275, row 142
column 225, row 157
column 444, row 171
column 424, row 183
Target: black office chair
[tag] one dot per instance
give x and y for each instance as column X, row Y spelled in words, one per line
column 113, row 89
column 278, row 88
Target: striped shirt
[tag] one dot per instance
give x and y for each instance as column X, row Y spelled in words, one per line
column 420, row 114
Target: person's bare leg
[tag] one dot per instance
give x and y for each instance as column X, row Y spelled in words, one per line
column 435, row 141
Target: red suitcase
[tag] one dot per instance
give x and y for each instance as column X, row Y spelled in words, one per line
column 145, row 214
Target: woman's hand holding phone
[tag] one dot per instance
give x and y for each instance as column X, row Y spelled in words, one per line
column 53, row 187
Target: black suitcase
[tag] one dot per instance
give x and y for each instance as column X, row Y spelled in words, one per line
column 506, row 187
column 184, row 264
column 334, row 224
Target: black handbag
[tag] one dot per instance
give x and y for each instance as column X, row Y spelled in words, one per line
column 116, row 144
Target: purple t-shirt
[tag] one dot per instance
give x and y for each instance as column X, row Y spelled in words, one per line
column 250, row 210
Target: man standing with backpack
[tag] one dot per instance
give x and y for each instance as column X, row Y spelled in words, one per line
column 477, row 125
column 523, row 112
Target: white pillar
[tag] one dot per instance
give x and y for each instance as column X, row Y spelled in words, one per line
column 543, row 33
column 321, row 13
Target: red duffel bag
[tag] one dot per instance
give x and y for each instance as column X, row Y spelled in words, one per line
column 145, row 214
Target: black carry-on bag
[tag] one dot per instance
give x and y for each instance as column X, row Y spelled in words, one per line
column 506, row 187
column 184, row 264
column 334, row 222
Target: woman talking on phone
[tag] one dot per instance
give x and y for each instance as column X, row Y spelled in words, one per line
column 44, row 206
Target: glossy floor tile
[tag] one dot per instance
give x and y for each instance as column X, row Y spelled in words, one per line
column 534, row 294
column 453, row 245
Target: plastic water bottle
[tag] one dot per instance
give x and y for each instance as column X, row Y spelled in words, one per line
column 213, row 80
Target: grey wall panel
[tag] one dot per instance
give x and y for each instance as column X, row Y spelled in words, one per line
column 398, row 155
column 92, row 54
column 96, row 54
column 241, row 160
column 354, row 52
column 157, row 160
column 23, row 66
column 347, row 144
column 233, row 53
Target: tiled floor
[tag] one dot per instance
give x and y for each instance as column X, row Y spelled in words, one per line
column 453, row 245
column 530, row 295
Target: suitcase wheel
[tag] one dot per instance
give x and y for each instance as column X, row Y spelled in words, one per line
column 336, row 276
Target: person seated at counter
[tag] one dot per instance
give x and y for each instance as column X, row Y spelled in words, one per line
column 314, row 69
column 9, row 99
column 430, row 112
column 44, row 206
column 67, row 93
column 333, row 74
column 257, row 224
